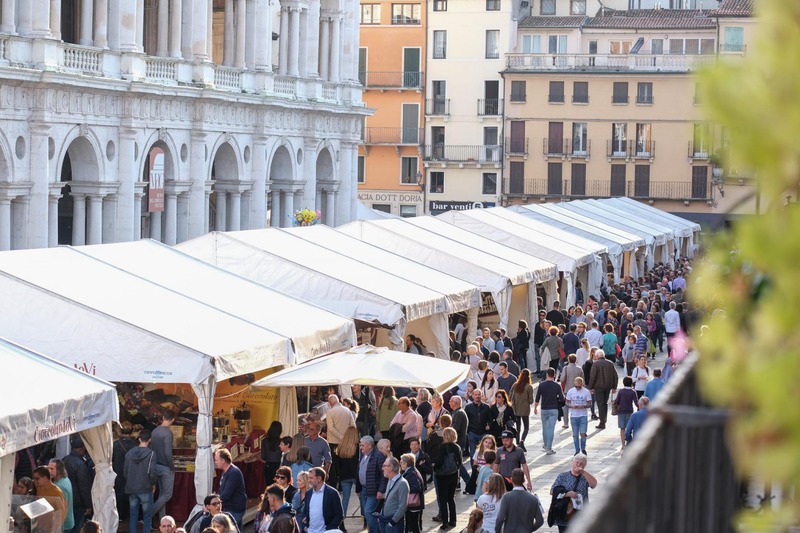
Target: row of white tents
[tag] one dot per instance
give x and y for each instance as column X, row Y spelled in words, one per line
column 228, row 304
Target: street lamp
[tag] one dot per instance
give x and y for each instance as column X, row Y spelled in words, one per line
column 421, row 185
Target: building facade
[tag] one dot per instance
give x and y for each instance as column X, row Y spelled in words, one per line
column 167, row 118
column 391, row 69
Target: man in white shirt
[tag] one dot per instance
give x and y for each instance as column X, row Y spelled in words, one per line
column 672, row 322
column 324, row 505
column 578, row 400
column 594, row 335
column 338, row 418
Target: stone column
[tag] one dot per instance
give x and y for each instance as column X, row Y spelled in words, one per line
column 222, row 207
column 5, row 224
column 336, row 46
column 187, row 31
column 201, row 32
column 140, row 26
column 114, row 25
column 283, row 43
column 175, row 21
column 129, row 218
column 201, row 186
column 8, row 23
column 137, row 213
column 183, row 218
column 55, row 19
column 275, row 211
column 95, row 231
column 171, row 217
column 25, row 18
column 109, row 218
column 210, row 30
column 263, row 59
column 250, row 36
column 101, row 23
column 40, row 176
column 294, row 41
column 19, row 219
column 288, row 203
column 302, row 49
column 155, row 226
column 228, row 49
column 258, row 200
column 330, row 197
column 78, row 219
column 247, row 197
column 324, row 46
column 128, row 27
column 208, row 186
column 312, row 36
column 87, row 16
column 162, row 47
column 52, row 214
column 41, row 18
column 235, row 214
column 241, row 32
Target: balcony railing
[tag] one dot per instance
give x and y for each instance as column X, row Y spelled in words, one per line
column 391, row 80
column 490, row 107
column 699, row 151
column 556, row 147
column 641, row 190
column 459, row 153
column 638, row 62
column 82, row 59
column 642, row 149
column 412, row 136
column 161, row 70
column 437, row 106
column 285, row 85
column 516, row 146
column 617, row 149
column 580, row 150
column 732, row 48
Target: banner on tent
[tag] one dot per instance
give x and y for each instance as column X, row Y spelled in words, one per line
column 488, row 316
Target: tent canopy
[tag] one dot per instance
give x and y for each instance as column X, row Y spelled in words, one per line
column 70, row 400
column 368, row 365
column 681, row 227
column 599, row 215
column 459, row 294
column 123, row 328
column 365, row 213
column 319, row 332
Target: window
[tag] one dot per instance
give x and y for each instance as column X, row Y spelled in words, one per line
column 556, row 44
column 548, row 7
column 362, row 65
column 383, row 208
column 361, row 162
column 707, row 46
column 734, row 39
column 492, row 5
column 580, row 92
column 408, row 211
column 491, row 146
column 410, row 128
column 489, row 185
column 439, row 44
column 620, row 92
column 405, row 13
column 516, row 177
column 518, row 90
column 492, row 44
column 701, row 141
column 437, row 142
column 577, row 7
column 700, row 181
column 412, row 74
column 644, row 142
column 578, row 179
column 644, row 92
column 592, row 47
column 440, row 5
column 408, row 170
column 691, row 46
column 439, row 97
column 555, row 138
column 518, row 137
column 554, row 183
column 698, row 95
column 641, row 184
column 657, row 46
column 580, row 138
column 531, row 44
column 676, row 47
column 436, row 182
column 619, row 138
column 556, row 92
column 370, row 13
column 617, row 180
column 619, row 47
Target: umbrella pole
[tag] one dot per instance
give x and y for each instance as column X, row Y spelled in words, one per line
column 308, row 399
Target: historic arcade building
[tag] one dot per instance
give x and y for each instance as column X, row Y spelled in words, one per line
column 251, row 108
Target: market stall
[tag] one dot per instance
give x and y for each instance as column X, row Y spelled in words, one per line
column 65, row 401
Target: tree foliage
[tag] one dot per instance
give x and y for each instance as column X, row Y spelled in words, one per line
column 750, row 359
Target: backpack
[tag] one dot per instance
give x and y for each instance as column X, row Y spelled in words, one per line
column 449, row 467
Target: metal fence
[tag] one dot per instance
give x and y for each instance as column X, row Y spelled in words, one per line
column 677, row 475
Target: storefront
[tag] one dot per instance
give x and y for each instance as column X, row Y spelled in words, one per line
column 400, row 203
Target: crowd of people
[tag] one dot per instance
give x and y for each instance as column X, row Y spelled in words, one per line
column 386, row 447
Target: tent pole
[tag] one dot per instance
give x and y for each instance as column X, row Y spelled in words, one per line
column 308, row 398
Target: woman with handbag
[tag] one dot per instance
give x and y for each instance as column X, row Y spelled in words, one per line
column 576, row 481
column 416, row 493
column 502, row 415
column 446, row 472
column 551, row 348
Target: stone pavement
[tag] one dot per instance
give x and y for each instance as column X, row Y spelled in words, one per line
column 603, row 448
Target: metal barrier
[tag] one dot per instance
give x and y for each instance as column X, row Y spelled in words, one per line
column 677, row 475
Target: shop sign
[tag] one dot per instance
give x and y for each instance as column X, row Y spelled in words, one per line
column 440, row 206
column 155, row 196
column 65, row 426
column 390, row 197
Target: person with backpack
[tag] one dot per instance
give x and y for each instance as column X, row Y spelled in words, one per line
column 446, row 466
column 570, row 492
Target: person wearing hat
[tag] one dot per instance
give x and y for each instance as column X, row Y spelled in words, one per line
column 81, row 477
column 510, row 457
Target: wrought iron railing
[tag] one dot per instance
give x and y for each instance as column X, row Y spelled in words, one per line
column 459, row 153
column 391, row 80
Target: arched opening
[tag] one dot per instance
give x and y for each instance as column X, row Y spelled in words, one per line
column 326, row 186
column 158, row 172
column 282, row 197
column 224, row 203
column 79, row 165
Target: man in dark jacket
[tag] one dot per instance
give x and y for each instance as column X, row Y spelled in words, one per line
column 140, row 471
column 479, row 415
column 370, row 475
column 324, row 515
column 602, row 381
column 81, row 477
column 283, row 516
column 121, row 447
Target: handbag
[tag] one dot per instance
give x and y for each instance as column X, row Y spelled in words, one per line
column 449, row 467
column 413, row 500
column 614, row 404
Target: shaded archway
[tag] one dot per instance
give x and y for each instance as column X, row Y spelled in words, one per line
column 326, row 186
column 159, row 173
column 224, row 202
column 79, row 165
column 281, row 174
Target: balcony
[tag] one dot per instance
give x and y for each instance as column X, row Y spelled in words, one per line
column 669, row 190
column 699, row 151
column 437, row 107
column 552, row 147
column 575, row 189
column 393, row 136
column 517, row 146
column 391, row 80
column 642, row 149
column 461, row 153
column 490, row 107
column 617, row 149
column 607, row 62
column 733, row 48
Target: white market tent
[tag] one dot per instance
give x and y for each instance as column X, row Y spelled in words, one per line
column 617, row 245
column 368, row 365
column 461, row 258
column 685, row 230
column 344, row 285
column 69, row 401
column 461, row 296
column 366, row 213
column 124, row 328
column 568, row 258
column 230, row 293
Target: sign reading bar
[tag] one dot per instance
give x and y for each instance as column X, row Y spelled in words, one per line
column 438, row 206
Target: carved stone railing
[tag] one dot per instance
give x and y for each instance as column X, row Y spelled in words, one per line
column 82, row 59
column 229, row 78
